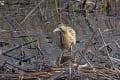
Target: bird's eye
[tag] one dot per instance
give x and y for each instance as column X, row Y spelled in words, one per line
column 60, row 28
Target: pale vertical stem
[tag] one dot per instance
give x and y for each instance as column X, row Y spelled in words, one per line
column 70, row 70
column 56, row 6
column 70, row 64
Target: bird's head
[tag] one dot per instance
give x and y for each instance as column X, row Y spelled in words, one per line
column 60, row 27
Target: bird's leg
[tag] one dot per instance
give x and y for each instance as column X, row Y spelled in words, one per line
column 71, row 52
column 70, row 64
column 59, row 60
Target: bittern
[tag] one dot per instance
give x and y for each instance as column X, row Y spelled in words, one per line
column 67, row 38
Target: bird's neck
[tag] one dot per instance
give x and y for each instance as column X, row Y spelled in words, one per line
column 64, row 30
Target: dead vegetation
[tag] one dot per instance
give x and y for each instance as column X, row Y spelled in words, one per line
column 27, row 44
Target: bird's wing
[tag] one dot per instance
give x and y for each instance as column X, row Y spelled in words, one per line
column 71, row 31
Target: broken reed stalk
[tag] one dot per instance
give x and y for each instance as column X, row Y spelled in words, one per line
column 15, row 66
column 86, row 15
column 87, row 46
column 88, row 62
column 56, row 76
column 56, row 6
column 4, row 53
column 26, row 76
column 100, row 48
column 116, row 42
column 31, row 11
column 115, row 60
column 108, row 52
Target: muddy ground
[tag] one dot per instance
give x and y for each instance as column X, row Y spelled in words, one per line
column 27, row 41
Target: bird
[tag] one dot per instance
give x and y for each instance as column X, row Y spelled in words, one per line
column 67, row 38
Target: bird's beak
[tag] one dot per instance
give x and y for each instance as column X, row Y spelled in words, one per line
column 55, row 30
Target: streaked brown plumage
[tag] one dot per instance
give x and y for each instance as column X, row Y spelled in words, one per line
column 67, row 37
